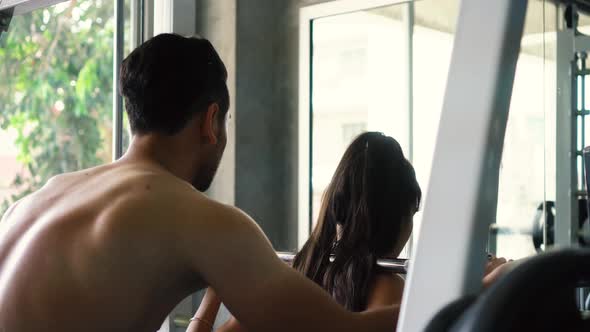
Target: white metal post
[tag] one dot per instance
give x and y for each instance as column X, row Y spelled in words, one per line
column 461, row 203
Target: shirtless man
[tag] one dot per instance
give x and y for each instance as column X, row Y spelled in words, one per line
column 116, row 247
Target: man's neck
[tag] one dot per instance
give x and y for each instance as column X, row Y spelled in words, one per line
column 161, row 152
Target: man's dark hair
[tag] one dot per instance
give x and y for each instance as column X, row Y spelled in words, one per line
column 170, row 78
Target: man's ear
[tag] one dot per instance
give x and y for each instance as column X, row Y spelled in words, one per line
column 210, row 125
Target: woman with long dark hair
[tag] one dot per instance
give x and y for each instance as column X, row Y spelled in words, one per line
column 366, row 213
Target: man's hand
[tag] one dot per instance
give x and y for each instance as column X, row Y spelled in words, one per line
column 495, row 268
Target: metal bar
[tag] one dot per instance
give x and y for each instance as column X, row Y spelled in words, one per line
column 142, row 21
column 181, row 321
column 474, row 118
column 311, row 133
column 566, row 144
column 304, row 184
column 119, row 47
column 493, row 242
column 148, row 19
column 135, row 25
column 507, row 230
column 409, row 26
column 583, row 57
column 392, row 265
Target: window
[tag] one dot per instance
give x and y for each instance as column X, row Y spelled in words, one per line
column 527, row 173
column 59, row 121
column 56, row 72
column 357, row 85
column 434, row 29
column 361, row 73
column 351, row 130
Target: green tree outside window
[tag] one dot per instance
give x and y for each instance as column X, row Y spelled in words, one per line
column 56, row 68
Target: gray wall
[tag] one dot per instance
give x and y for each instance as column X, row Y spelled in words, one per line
column 266, row 115
column 258, row 40
column 216, row 20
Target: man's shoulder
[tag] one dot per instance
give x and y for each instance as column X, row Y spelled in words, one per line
column 182, row 203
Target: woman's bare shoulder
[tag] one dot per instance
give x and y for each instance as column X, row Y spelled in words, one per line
column 387, row 289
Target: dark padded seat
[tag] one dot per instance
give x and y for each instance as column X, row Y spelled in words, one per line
column 537, row 295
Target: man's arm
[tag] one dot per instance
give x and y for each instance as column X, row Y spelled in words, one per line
column 230, row 252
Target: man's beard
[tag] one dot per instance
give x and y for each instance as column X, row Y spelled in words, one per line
column 202, row 181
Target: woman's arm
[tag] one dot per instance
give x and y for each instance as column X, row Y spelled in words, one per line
column 205, row 317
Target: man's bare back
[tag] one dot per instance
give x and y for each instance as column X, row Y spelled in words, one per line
column 91, row 248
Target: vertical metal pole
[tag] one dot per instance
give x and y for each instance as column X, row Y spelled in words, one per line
column 311, row 132
column 566, row 175
column 118, row 59
column 581, row 75
column 141, row 22
column 135, row 27
column 493, row 241
column 409, row 26
column 148, row 19
column 583, row 56
column 408, row 18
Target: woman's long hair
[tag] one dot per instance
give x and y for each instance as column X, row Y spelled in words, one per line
column 373, row 192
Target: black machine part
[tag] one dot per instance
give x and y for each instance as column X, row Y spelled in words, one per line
column 582, row 5
column 533, row 296
column 545, row 218
column 5, row 18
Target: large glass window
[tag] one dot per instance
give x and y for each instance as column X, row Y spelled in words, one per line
column 56, row 69
column 527, row 174
column 359, row 82
column 434, row 30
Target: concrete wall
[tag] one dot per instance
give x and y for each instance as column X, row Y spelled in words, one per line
column 216, row 21
column 258, row 41
column 266, row 116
